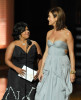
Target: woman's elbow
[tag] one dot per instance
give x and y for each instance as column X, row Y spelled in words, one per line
column 6, row 60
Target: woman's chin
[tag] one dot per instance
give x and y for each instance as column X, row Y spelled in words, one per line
column 49, row 24
column 26, row 38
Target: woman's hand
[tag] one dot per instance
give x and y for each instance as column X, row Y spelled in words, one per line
column 40, row 76
column 36, row 76
column 72, row 77
column 20, row 71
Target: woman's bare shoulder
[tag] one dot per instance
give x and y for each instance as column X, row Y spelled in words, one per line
column 34, row 42
column 12, row 44
column 67, row 31
column 49, row 33
column 68, row 34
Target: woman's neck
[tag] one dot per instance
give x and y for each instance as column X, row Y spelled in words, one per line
column 54, row 27
column 23, row 40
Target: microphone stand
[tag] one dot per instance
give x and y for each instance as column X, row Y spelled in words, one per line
column 26, row 68
column 28, row 43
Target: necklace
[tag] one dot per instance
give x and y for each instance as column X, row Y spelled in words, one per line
column 23, row 43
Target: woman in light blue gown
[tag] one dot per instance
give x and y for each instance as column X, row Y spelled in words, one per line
column 57, row 71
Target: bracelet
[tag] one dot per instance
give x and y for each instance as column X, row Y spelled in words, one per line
column 72, row 72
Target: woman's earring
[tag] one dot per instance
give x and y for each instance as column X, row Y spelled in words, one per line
column 29, row 33
column 19, row 36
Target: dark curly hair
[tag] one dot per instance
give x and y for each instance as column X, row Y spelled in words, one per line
column 59, row 13
column 18, row 29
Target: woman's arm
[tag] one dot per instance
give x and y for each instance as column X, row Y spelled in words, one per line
column 8, row 56
column 44, row 58
column 39, row 55
column 45, row 53
column 70, row 42
column 39, row 59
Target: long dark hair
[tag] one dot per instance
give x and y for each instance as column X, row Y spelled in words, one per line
column 59, row 13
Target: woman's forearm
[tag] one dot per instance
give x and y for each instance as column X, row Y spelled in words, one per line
column 43, row 60
column 39, row 64
column 10, row 64
column 72, row 58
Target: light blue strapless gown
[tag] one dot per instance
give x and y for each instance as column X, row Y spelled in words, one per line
column 56, row 84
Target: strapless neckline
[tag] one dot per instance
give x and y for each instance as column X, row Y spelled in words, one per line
column 23, row 50
column 57, row 41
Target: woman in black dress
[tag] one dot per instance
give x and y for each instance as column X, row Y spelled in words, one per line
column 21, row 52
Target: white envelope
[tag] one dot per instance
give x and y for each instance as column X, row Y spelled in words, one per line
column 29, row 74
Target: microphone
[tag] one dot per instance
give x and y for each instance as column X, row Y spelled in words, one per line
column 29, row 42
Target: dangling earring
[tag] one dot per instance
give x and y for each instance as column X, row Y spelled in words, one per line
column 29, row 33
column 19, row 36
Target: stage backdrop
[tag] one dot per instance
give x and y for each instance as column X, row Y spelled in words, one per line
column 6, row 22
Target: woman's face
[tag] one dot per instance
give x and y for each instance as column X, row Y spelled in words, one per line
column 52, row 20
column 26, row 33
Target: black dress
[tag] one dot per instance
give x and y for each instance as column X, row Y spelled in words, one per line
column 19, row 88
